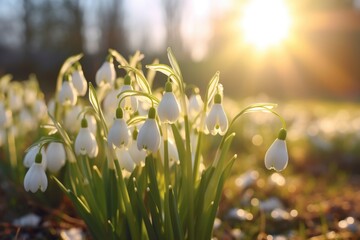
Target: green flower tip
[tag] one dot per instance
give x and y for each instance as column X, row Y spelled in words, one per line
column 135, row 134
column 196, row 90
column 127, row 80
column 217, row 98
column 77, row 66
column 38, row 158
column 67, row 77
column 119, row 113
column 109, row 58
column 152, row 113
column 84, row 123
column 168, row 86
column 282, row 134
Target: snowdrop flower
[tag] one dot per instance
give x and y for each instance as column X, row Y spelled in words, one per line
column 67, row 94
column 128, row 103
column 149, row 134
column 92, row 124
column 36, row 178
column 168, row 109
column 15, row 99
column 138, row 156
column 30, row 95
column 78, row 79
column 85, row 142
column 5, row 116
column 125, row 159
column 119, row 132
column 195, row 103
column 28, row 122
column 71, row 119
column 216, row 120
column 172, row 150
column 111, row 101
column 40, row 109
column 276, row 156
column 106, row 73
column 55, row 156
column 30, row 156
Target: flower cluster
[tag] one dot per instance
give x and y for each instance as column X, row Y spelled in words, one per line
column 135, row 156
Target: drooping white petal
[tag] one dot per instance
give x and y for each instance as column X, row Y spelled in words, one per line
column 168, row 109
column 138, row 156
column 67, row 94
column 216, row 120
column 5, row 116
column 92, row 125
column 195, row 105
column 29, row 158
column 56, row 156
column 128, row 103
column 40, row 109
column 276, row 156
column 28, row 122
column 173, row 153
column 79, row 82
column 15, row 100
column 71, row 121
column 35, row 178
column 125, row 159
column 85, row 143
column 110, row 102
column 118, row 133
column 105, row 74
column 149, row 136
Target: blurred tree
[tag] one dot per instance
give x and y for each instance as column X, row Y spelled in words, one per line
column 112, row 31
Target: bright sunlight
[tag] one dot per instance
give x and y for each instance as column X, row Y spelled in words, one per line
column 265, row 23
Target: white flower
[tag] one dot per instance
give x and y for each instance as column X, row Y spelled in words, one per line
column 15, row 100
column 125, row 159
column 85, row 142
column 79, row 81
column 216, row 120
column 196, row 104
column 119, row 133
column 29, row 95
column 168, row 109
column 5, row 116
column 92, row 124
column 30, row 156
column 128, row 103
column 106, row 73
column 172, row 151
column 71, row 121
column 138, row 156
column 35, row 178
column 276, row 156
column 111, row 101
column 40, row 109
column 55, row 156
column 67, row 94
column 28, row 122
column 149, row 134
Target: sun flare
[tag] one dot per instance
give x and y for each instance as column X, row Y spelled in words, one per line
column 265, row 23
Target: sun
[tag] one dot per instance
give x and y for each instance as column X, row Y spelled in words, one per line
column 265, row 23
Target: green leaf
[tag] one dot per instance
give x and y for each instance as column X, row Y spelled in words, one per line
column 65, row 67
column 95, row 103
column 44, row 140
column 151, row 73
column 174, row 64
column 61, row 130
column 147, row 97
column 175, row 219
column 212, row 87
column 135, row 120
column 168, row 71
column 135, row 59
column 119, row 58
column 140, row 79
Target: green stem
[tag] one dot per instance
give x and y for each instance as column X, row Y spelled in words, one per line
column 12, row 152
column 189, row 177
